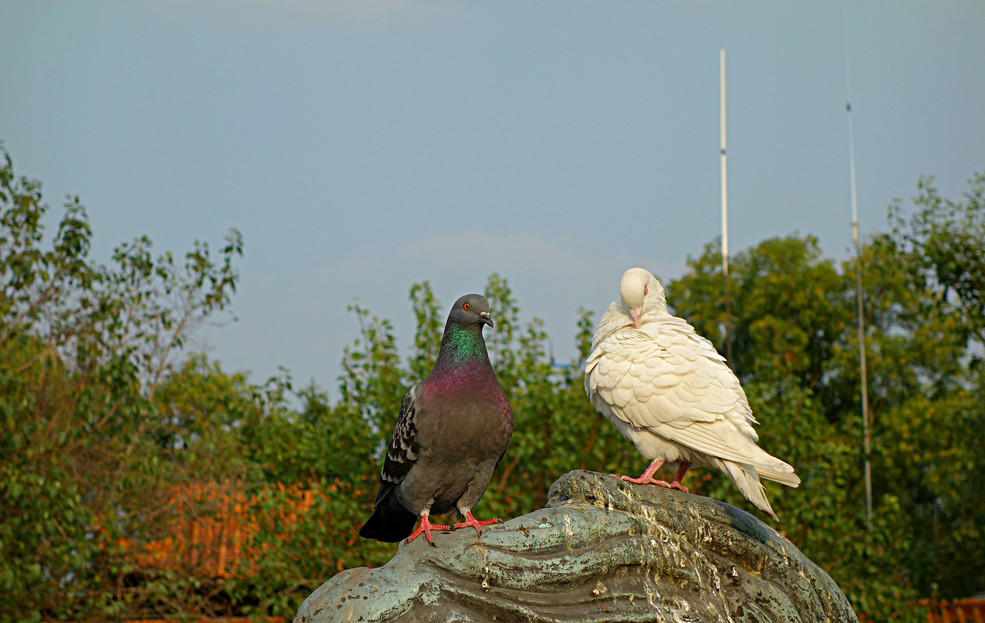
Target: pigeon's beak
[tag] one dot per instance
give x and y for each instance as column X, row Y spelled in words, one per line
column 636, row 312
column 486, row 318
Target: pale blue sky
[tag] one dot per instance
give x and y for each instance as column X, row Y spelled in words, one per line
column 364, row 146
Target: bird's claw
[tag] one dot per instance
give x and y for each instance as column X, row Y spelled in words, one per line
column 643, row 480
column 426, row 527
column 475, row 523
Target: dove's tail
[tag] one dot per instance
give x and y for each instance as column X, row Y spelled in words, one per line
column 747, row 480
column 390, row 521
column 783, row 477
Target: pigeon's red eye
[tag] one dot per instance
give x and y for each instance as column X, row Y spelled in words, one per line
column 645, row 290
column 466, row 306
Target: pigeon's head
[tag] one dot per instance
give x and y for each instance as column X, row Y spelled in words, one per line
column 641, row 294
column 471, row 310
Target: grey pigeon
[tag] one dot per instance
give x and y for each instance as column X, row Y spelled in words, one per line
column 671, row 393
column 453, row 430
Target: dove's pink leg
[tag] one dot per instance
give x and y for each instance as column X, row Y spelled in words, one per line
column 681, row 470
column 426, row 527
column 646, row 478
column 475, row 523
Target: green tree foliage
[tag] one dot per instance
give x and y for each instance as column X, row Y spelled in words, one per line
column 88, row 459
column 932, row 437
column 944, row 237
column 120, row 450
column 796, row 349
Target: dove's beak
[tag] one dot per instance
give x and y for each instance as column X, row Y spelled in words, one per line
column 486, row 318
column 636, row 312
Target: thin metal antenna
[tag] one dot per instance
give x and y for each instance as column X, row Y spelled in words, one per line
column 728, row 302
column 860, row 297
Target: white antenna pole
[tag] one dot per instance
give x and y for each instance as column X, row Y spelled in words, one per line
column 860, row 296
column 859, row 293
column 728, row 308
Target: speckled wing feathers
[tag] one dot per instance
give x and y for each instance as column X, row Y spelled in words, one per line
column 404, row 446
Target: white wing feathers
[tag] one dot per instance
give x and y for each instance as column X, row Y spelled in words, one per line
column 667, row 379
column 668, row 391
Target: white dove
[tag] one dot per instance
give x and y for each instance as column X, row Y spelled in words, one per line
column 671, row 393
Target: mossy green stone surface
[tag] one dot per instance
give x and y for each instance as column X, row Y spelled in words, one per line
column 602, row 550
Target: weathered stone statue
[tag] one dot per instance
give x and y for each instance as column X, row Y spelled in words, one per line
column 602, row 550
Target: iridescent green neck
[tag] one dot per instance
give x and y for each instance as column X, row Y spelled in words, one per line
column 463, row 345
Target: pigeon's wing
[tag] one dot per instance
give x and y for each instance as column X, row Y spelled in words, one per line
column 404, row 447
column 391, row 521
column 666, row 378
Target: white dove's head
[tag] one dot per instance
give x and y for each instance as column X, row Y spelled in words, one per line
column 642, row 294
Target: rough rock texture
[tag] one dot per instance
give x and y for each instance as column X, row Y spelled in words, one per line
column 602, row 550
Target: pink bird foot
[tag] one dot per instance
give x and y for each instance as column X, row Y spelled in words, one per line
column 646, row 478
column 475, row 523
column 676, row 485
column 426, row 527
column 642, row 480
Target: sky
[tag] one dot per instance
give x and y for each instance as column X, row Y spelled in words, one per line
column 362, row 146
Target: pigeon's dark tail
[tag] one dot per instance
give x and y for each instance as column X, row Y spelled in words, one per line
column 390, row 521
